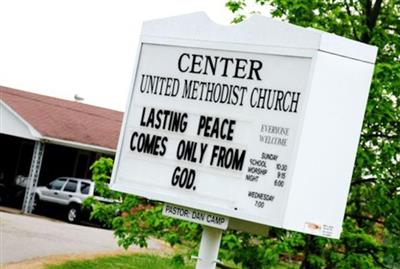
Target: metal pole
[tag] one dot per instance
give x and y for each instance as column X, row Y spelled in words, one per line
column 33, row 177
column 209, row 247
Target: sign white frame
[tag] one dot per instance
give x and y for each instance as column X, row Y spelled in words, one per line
column 328, row 53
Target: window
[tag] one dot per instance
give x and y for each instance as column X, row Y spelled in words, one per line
column 71, row 186
column 57, row 184
column 85, row 187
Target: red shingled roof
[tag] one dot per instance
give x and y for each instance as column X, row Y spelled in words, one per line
column 66, row 120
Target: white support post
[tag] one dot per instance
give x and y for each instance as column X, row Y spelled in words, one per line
column 209, row 247
column 33, row 178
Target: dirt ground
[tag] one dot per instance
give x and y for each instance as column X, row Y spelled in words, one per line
column 30, row 242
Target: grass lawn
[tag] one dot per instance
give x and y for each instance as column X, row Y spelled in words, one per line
column 135, row 261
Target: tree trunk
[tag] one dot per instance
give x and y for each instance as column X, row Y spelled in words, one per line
column 309, row 248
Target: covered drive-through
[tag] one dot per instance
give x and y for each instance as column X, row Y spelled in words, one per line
column 42, row 138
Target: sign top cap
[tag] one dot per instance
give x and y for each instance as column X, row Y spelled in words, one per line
column 258, row 31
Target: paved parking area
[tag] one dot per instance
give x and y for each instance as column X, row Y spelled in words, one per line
column 27, row 237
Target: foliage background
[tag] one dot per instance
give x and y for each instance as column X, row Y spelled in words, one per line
column 371, row 231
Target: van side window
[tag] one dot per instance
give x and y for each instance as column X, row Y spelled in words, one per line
column 85, row 187
column 71, row 186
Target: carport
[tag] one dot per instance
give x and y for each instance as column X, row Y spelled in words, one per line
column 42, row 138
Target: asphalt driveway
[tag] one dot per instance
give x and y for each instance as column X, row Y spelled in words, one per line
column 27, row 237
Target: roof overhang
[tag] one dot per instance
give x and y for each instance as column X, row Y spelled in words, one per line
column 78, row 145
column 11, row 123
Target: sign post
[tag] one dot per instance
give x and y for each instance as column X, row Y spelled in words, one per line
column 244, row 126
column 213, row 227
column 209, row 247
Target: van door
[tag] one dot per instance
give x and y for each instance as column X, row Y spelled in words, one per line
column 52, row 192
column 68, row 192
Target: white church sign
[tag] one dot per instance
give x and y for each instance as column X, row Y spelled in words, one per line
column 258, row 122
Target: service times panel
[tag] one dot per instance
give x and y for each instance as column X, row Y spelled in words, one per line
column 214, row 130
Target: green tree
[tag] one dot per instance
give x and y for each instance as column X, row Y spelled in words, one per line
column 371, row 236
column 135, row 219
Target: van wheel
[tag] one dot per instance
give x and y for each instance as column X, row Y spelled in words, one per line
column 73, row 214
